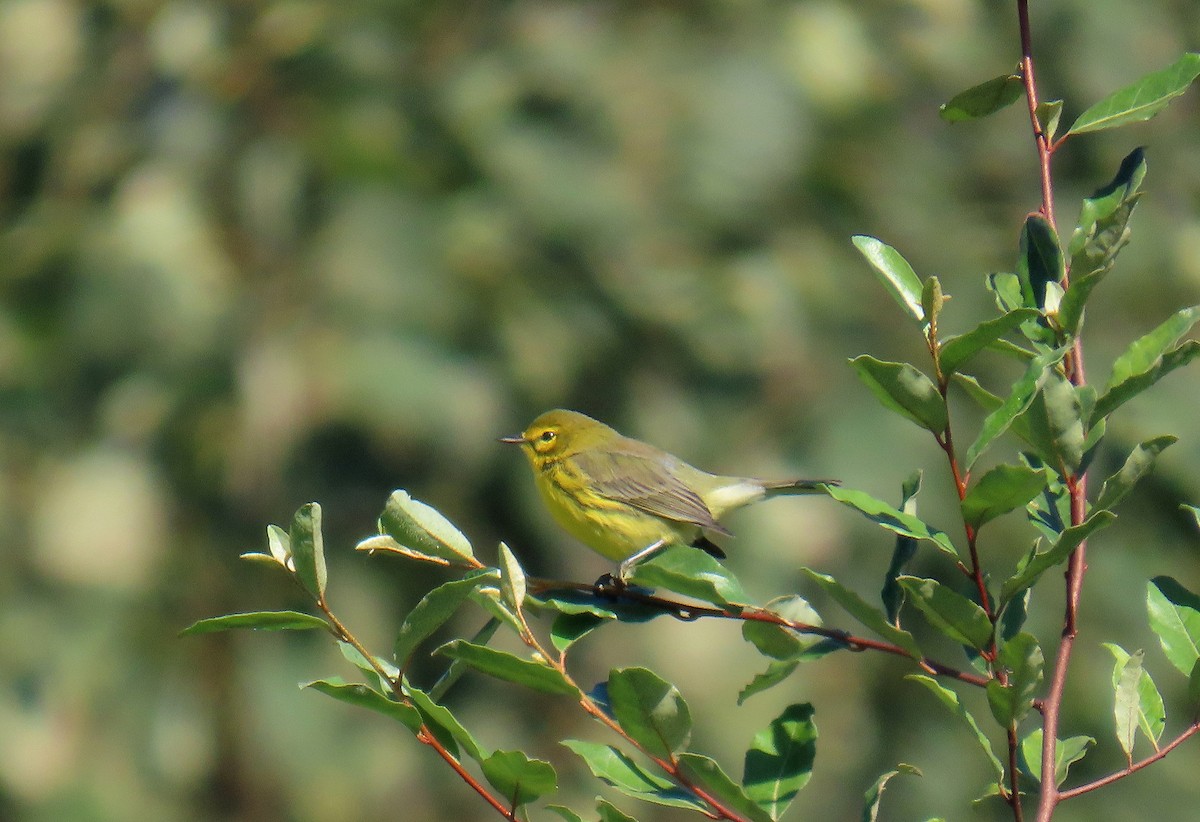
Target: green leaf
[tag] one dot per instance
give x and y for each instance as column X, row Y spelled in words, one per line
column 1137, row 703
column 874, row 794
column 892, row 519
column 279, row 544
column 872, row 618
column 1048, row 115
column 1056, row 554
column 536, row 675
column 1002, row 489
column 986, row 98
column 780, row 759
column 1022, row 657
column 903, row 389
column 567, row 629
column 423, row 530
column 1142, row 100
column 1138, row 465
column 954, row 352
column 1118, row 395
column 1039, row 261
column 950, row 612
column 894, row 272
column 951, row 701
column 692, row 573
column 779, row 642
column 1006, row 291
column 258, row 621
column 892, row 595
column 777, row 671
column 519, row 779
column 611, row 813
column 1102, row 231
column 565, row 812
column 1066, row 753
column 651, row 710
column 308, row 552
column 1022, row 394
column 1175, row 618
column 702, row 772
column 512, row 579
column 359, row 695
column 433, row 611
column 1053, row 423
column 1144, row 352
column 614, row 767
column 444, row 724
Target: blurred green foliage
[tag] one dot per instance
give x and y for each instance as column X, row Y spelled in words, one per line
column 257, row 253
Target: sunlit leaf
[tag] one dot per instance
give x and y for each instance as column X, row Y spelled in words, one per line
column 891, row 518
column 258, row 621
column 422, row 529
column 1053, row 423
column 1175, row 618
column 1002, row 489
column 1056, row 554
column 692, row 573
column 359, row 695
column 1121, row 393
column 986, row 98
column 903, row 389
column 1066, row 753
column 780, row 759
column 308, row 551
column 434, row 609
column 650, row 709
column 950, row 612
column 1137, row 465
column 1022, row 657
column 956, row 351
column 1023, row 391
column 895, row 273
column 536, row 675
column 519, row 779
column 1137, row 704
column 873, row 618
column 1141, row 100
column 616, row 768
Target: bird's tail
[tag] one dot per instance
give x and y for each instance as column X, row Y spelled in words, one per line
column 794, row 487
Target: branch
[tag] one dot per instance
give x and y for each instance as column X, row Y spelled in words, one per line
column 688, row 612
column 1189, row 732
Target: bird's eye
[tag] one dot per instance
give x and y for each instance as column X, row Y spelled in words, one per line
column 547, row 436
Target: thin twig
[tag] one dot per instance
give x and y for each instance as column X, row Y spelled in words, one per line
column 1189, row 732
column 688, row 612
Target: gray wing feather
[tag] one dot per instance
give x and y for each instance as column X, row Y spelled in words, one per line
column 658, row 491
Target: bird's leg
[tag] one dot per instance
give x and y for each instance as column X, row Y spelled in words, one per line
column 627, row 564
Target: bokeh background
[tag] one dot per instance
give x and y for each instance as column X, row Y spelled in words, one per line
column 258, row 253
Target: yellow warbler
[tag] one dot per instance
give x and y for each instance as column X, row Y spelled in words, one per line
column 626, row 499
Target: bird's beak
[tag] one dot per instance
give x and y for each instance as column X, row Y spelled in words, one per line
column 519, row 439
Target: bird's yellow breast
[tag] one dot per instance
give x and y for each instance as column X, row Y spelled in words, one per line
column 609, row 527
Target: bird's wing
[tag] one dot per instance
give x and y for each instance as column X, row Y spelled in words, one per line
column 646, row 482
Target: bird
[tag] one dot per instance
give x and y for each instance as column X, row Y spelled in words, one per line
column 626, row 499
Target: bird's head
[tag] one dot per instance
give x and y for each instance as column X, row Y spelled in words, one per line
column 559, row 433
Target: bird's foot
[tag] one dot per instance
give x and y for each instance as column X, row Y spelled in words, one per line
column 609, row 586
